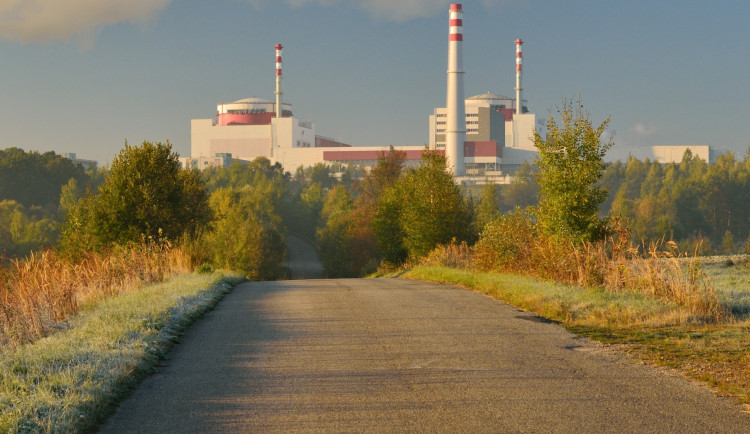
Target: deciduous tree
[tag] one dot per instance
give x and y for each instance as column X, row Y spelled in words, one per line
column 571, row 161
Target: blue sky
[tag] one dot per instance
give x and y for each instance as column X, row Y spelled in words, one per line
column 83, row 76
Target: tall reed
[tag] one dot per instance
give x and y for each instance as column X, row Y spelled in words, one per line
column 40, row 292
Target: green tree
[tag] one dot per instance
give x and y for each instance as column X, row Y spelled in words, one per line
column 523, row 190
column 571, row 161
column 727, row 243
column 432, row 210
column 375, row 211
column 384, row 175
column 386, row 225
column 245, row 236
column 145, row 195
column 334, row 239
column 25, row 229
column 31, row 178
column 489, row 205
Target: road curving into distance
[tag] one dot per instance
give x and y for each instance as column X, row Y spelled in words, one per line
column 396, row 355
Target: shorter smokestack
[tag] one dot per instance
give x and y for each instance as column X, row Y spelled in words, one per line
column 279, row 109
column 519, row 70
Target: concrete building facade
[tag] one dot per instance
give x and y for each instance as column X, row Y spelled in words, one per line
column 86, row 164
column 674, row 154
column 491, row 117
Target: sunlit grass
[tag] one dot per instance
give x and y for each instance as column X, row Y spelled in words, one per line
column 568, row 304
column 69, row 381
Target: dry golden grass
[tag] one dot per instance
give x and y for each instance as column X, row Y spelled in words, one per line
column 512, row 244
column 38, row 293
column 454, row 255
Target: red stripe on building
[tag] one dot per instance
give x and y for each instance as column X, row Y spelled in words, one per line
column 226, row 119
column 508, row 113
column 365, row 155
column 487, row 148
column 456, row 37
column 456, row 7
column 457, row 23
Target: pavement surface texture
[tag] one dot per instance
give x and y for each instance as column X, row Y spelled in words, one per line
column 393, row 355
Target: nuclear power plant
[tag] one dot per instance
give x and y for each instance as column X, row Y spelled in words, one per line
column 486, row 136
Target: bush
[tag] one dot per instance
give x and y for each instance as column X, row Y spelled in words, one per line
column 506, row 243
column 424, row 209
column 245, row 238
column 454, row 255
column 146, row 195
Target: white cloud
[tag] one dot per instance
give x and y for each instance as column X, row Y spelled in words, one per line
column 404, row 10
column 63, row 20
column 643, row 130
column 390, row 10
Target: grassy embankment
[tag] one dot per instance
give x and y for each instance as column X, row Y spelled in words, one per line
column 70, row 380
column 655, row 330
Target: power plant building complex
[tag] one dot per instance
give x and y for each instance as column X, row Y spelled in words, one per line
column 486, row 136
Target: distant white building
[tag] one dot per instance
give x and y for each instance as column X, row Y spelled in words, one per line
column 218, row 160
column 674, row 154
column 498, row 140
column 247, row 129
column 86, row 164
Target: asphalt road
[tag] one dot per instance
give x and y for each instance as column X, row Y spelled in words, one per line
column 390, row 355
column 303, row 260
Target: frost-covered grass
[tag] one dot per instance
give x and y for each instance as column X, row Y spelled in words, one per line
column 70, row 381
column 730, row 275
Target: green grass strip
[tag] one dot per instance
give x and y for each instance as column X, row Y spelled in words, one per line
column 70, row 381
column 568, row 304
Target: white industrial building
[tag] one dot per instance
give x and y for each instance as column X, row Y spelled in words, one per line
column 674, row 154
column 493, row 141
column 86, row 164
column 491, row 118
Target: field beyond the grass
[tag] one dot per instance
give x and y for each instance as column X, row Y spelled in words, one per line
column 656, row 331
column 71, row 380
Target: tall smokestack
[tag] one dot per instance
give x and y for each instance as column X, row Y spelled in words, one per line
column 519, row 70
column 455, row 131
column 279, row 109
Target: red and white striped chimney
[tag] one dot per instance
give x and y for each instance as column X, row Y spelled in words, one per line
column 279, row 109
column 455, row 131
column 519, row 70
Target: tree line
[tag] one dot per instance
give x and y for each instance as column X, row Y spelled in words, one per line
column 702, row 207
column 30, row 187
column 238, row 217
